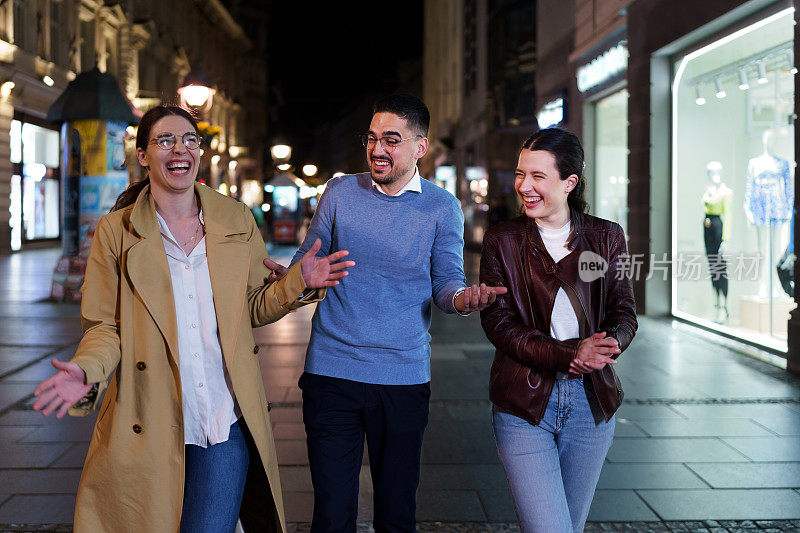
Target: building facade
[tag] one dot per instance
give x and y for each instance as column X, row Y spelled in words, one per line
column 44, row 44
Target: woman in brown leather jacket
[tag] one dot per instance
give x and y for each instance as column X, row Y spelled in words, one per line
column 568, row 314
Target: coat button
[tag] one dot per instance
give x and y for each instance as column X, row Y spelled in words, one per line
column 137, row 428
column 269, row 406
column 256, row 348
column 141, row 365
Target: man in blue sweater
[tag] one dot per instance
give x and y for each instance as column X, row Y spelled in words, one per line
column 367, row 368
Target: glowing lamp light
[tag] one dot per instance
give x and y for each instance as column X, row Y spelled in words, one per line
column 215, row 159
column 699, row 100
column 265, row 207
column 234, row 188
column 310, row 170
column 197, row 91
column 269, row 188
column 743, row 85
column 762, row 73
column 6, row 88
column 720, row 91
column 281, row 151
column 337, row 174
column 284, row 166
column 48, row 81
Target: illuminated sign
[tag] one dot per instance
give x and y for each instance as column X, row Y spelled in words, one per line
column 604, row 67
column 551, row 114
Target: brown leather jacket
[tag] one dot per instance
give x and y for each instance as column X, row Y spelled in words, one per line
column 518, row 323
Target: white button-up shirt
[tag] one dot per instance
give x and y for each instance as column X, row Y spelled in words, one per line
column 209, row 407
column 414, row 184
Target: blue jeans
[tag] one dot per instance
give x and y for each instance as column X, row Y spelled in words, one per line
column 212, row 491
column 553, row 468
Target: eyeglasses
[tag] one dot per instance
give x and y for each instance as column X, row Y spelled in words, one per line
column 387, row 143
column 166, row 141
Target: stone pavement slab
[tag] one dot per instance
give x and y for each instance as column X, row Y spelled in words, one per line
column 748, row 475
column 619, row 505
column 734, row 504
column 649, row 476
column 671, row 450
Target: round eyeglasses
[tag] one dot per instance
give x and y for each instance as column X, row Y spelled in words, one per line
column 166, row 141
column 388, row 143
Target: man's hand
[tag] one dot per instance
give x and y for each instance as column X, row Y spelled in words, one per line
column 321, row 272
column 476, row 298
column 62, row 390
column 278, row 270
column 594, row 353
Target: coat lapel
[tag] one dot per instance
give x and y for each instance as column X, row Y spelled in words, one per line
column 149, row 272
column 228, row 259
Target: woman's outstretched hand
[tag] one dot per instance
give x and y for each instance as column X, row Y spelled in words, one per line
column 62, row 390
column 594, row 353
column 324, row 271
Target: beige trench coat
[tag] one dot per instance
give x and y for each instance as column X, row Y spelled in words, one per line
column 134, row 472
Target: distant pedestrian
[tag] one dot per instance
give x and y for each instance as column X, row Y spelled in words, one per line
column 367, row 370
column 175, row 281
column 558, row 333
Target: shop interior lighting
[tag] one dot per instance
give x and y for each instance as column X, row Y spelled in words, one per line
column 48, row 81
column 762, row 73
column 284, row 166
column 234, row 188
column 699, row 100
column 215, row 159
column 337, row 174
column 720, row 90
column 269, row 188
column 743, row 85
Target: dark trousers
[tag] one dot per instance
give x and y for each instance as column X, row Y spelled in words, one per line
column 338, row 413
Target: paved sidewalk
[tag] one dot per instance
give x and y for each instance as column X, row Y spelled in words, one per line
column 707, row 439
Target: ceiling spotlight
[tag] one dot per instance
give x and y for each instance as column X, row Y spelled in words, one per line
column 743, row 85
column 762, row 73
column 699, row 100
column 720, row 91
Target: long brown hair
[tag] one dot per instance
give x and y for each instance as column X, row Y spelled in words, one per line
column 130, row 194
column 567, row 150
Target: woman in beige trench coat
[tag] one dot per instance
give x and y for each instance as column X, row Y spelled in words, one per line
column 133, row 478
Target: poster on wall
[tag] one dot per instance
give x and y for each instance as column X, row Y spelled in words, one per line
column 97, row 196
column 93, row 146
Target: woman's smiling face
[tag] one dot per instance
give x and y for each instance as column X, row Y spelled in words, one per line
column 175, row 169
column 540, row 188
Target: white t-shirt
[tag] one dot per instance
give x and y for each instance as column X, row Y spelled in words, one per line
column 563, row 321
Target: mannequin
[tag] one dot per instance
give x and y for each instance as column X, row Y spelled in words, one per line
column 716, row 230
column 768, row 200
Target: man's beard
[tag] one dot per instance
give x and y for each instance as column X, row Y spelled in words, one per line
column 390, row 177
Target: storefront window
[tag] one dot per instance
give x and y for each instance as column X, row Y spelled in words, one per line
column 611, row 158
column 733, row 182
column 35, row 183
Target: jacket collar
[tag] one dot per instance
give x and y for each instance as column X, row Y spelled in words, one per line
column 144, row 221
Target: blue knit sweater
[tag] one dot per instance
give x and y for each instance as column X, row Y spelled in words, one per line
column 373, row 326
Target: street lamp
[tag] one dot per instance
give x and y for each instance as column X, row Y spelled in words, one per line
column 310, row 170
column 281, row 152
column 197, row 91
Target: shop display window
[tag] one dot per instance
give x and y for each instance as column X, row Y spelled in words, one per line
column 733, row 167
column 610, row 170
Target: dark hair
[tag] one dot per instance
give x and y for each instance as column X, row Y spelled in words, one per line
column 155, row 114
column 567, row 150
column 406, row 106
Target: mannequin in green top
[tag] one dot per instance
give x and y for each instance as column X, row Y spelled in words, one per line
column 716, row 230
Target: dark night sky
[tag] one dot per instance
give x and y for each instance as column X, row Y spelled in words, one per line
column 323, row 55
